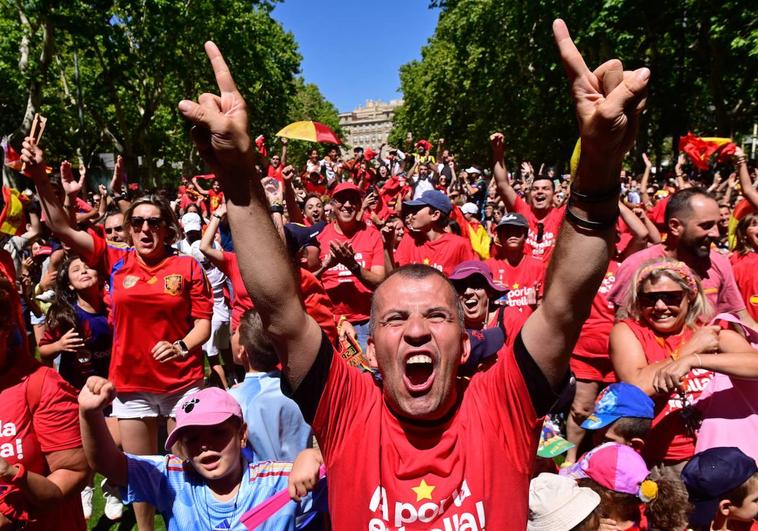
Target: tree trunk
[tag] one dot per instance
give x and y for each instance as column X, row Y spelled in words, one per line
column 37, row 78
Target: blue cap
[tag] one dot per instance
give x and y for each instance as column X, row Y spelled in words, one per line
column 712, row 474
column 484, row 343
column 616, row 401
column 299, row 236
column 434, row 199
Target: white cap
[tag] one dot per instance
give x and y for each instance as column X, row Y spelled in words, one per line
column 191, row 221
column 473, row 170
column 557, row 503
column 470, row 208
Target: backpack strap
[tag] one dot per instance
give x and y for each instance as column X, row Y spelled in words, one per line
column 34, row 388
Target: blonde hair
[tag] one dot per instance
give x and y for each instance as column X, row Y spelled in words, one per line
column 166, row 214
column 699, row 309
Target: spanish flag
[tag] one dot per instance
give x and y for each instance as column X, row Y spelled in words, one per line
column 12, row 214
column 702, row 150
column 741, row 209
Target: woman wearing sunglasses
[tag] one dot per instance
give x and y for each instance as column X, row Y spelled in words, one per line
column 161, row 306
column 664, row 345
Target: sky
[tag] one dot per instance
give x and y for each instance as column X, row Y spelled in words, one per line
column 353, row 49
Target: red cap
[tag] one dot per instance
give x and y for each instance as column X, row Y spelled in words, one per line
column 347, row 186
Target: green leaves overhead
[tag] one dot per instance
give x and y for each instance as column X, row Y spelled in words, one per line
column 120, row 67
column 492, row 65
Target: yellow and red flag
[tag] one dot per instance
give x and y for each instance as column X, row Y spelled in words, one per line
column 12, row 214
column 701, row 150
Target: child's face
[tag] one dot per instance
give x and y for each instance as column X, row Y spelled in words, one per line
column 748, row 510
column 214, row 451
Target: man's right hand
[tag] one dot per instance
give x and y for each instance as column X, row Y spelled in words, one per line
column 497, row 141
column 96, row 394
column 221, row 131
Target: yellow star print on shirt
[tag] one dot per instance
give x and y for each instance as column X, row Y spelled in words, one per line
column 423, row 491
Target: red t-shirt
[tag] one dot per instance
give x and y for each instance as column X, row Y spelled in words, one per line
column 443, row 254
column 590, row 359
column 657, row 214
column 470, row 472
column 349, row 296
column 27, row 438
column 316, row 301
column 541, row 248
column 668, row 439
column 745, row 267
column 152, row 304
column 524, row 282
column 276, row 173
column 317, row 304
column 241, row 301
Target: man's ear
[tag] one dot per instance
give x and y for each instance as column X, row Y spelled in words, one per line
column 465, row 347
column 371, row 353
column 676, row 227
column 436, row 215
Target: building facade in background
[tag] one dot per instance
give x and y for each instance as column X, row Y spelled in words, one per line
column 370, row 125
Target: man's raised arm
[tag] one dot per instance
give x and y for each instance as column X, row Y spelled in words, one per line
column 608, row 103
column 221, row 134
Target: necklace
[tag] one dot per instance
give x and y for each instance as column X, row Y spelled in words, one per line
column 231, row 519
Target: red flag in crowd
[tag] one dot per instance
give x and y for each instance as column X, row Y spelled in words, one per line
column 12, row 158
column 260, row 143
column 701, row 150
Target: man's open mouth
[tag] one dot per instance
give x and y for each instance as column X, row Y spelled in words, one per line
column 419, row 373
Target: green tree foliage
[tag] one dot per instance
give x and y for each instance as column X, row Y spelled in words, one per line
column 117, row 68
column 492, row 65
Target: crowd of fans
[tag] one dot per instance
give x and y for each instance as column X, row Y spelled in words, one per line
column 185, row 306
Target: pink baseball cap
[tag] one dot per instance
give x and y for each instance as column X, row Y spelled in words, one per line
column 615, row 466
column 208, row 407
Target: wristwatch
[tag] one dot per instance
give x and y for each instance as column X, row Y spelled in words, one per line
column 182, row 346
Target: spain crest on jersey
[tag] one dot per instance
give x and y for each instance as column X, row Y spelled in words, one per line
column 172, row 284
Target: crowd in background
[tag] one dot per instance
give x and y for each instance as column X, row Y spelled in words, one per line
column 135, row 298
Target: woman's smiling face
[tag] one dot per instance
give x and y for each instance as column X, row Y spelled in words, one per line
column 663, row 304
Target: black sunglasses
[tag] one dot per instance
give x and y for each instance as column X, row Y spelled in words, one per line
column 117, row 228
column 669, row 298
column 153, row 223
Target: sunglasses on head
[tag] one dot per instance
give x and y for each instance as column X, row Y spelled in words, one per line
column 669, row 298
column 117, row 228
column 153, row 223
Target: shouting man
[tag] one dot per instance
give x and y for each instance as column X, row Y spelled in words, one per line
column 422, row 448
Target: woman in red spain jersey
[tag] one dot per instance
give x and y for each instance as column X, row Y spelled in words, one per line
column 663, row 345
column 161, row 306
column 745, row 261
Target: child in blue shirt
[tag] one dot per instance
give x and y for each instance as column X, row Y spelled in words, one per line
column 211, row 485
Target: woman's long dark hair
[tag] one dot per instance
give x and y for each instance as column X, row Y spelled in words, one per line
column 61, row 316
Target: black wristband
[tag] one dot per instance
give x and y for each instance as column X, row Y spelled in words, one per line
column 601, row 197
column 276, row 209
column 588, row 224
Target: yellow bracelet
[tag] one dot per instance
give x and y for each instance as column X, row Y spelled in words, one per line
column 699, row 361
